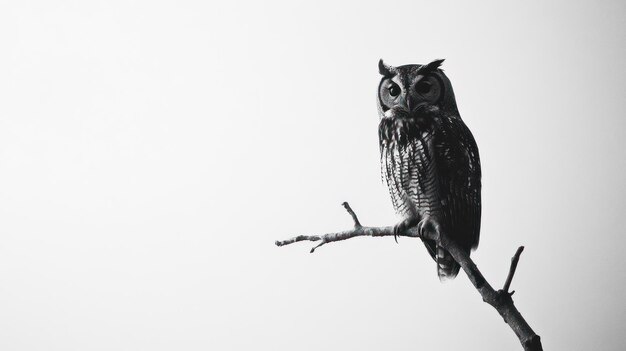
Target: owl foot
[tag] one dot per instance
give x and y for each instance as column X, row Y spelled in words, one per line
column 402, row 226
column 428, row 225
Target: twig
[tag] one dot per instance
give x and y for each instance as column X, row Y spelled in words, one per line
column 349, row 209
column 500, row 300
column 509, row 278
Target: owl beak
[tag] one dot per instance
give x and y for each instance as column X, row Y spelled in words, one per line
column 404, row 105
column 400, row 110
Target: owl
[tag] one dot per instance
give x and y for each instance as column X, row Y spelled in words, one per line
column 429, row 158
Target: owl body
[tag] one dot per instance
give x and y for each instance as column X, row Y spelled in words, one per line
column 429, row 158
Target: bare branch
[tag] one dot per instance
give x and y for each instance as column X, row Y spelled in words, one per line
column 500, row 300
column 354, row 218
column 298, row 238
column 358, row 230
column 509, row 278
column 347, row 234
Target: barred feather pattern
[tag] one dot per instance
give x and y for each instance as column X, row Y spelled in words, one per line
column 434, row 169
column 409, row 172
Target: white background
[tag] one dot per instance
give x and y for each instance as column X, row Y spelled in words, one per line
column 151, row 152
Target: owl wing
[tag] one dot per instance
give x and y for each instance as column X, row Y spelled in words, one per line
column 459, row 174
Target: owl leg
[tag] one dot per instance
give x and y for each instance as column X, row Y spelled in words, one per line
column 405, row 224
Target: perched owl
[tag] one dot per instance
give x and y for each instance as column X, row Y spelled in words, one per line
column 429, row 158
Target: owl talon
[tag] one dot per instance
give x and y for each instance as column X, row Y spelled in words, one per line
column 402, row 227
column 421, row 226
column 397, row 229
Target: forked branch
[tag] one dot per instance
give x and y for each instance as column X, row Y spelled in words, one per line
column 500, row 300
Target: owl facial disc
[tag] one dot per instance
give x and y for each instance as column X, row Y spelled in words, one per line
column 410, row 91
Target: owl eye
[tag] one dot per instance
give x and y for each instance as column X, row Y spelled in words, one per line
column 394, row 90
column 423, row 87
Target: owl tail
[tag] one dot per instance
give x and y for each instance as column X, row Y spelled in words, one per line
column 447, row 268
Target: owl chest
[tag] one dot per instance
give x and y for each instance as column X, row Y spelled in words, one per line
column 411, row 174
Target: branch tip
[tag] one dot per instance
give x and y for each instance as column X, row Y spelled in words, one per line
column 514, row 261
column 316, row 246
column 346, row 205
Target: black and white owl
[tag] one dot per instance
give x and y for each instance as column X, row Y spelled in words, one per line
column 429, row 158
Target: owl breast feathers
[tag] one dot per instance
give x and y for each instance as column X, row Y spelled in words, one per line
column 429, row 158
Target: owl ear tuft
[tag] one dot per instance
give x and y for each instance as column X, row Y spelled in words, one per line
column 386, row 70
column 430, row 67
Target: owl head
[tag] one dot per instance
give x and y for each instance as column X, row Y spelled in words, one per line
column 414, row 91
column 411, row 101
